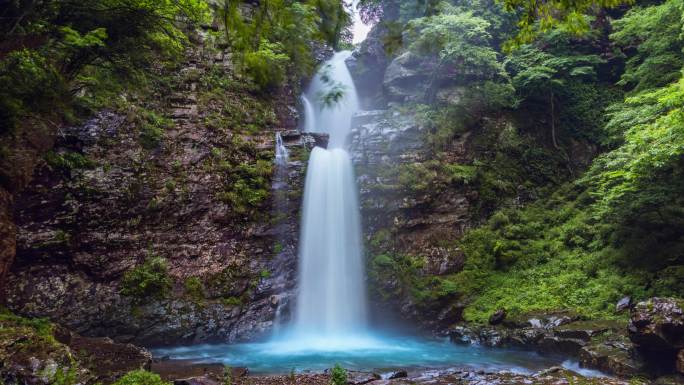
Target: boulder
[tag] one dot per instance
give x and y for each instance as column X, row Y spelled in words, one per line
column 463, row 335
column 394, row 375
column 658, row 324
column 497, row 317
column 623, row 304
column 367, row 64
column 568, row 346
column 617, row 357
column 407, row 78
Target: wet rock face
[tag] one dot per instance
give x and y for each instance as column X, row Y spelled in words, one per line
column 657, row 327
column 398, row 219
column 81, row 228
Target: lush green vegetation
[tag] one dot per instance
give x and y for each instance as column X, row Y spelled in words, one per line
column 275, row 42
column 590, row 232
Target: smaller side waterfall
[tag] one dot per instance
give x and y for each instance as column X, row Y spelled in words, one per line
column 309, row 116
column 281, row 209
column 281, row 154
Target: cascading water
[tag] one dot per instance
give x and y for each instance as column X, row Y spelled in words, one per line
column 332, row 300
column 330, row 321
column 281, row 154
column 309, row 116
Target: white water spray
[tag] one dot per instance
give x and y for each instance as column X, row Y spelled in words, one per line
column 331, row 304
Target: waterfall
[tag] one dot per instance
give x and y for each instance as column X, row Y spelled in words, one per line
column 309, row 115
column 332, row 298
column 281, row 154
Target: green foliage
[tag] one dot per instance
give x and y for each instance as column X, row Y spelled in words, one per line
column 656, row 32
column 338, row 375
column 541, row 75
column 638, row 186
column 536, row 70
column 278, row 248
column 194, row 289
column 460, row 41
column 267, row 65
column 147, row 281
column 30, row 84
column 617, row 232
column 65, row 376
column 41, row 326
column 275, row 40
column 152, row 126
column 536, row 18
column 248, row 186
column 88, row 47
column 232, row 301
column 545, row 257
column 141, row 377
column 68, row 160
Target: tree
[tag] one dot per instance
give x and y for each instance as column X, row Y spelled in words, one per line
column 537, row 17
column 275, row 37
column 460, row 44
column 639, row 186
column 538, row 73
column 653, row 38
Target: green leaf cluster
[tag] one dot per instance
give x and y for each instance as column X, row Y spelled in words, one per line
column 274, row 39
column 141, row 377
column 147, row 281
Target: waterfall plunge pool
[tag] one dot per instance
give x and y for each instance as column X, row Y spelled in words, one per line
column 363, row 352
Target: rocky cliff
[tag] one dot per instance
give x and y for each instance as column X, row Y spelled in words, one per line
column 156, row 224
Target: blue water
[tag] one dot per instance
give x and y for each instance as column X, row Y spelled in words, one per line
column 360, row 352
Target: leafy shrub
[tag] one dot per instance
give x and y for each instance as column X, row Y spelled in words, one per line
column 267, row 66
column 232, row 301
column 147, row 281
column 338, row 375
column 30, row 84
column 141, row 377
column 68, row 160
column 152, row 129
column 64, row 376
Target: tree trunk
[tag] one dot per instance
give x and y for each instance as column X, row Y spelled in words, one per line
column 553, row 121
